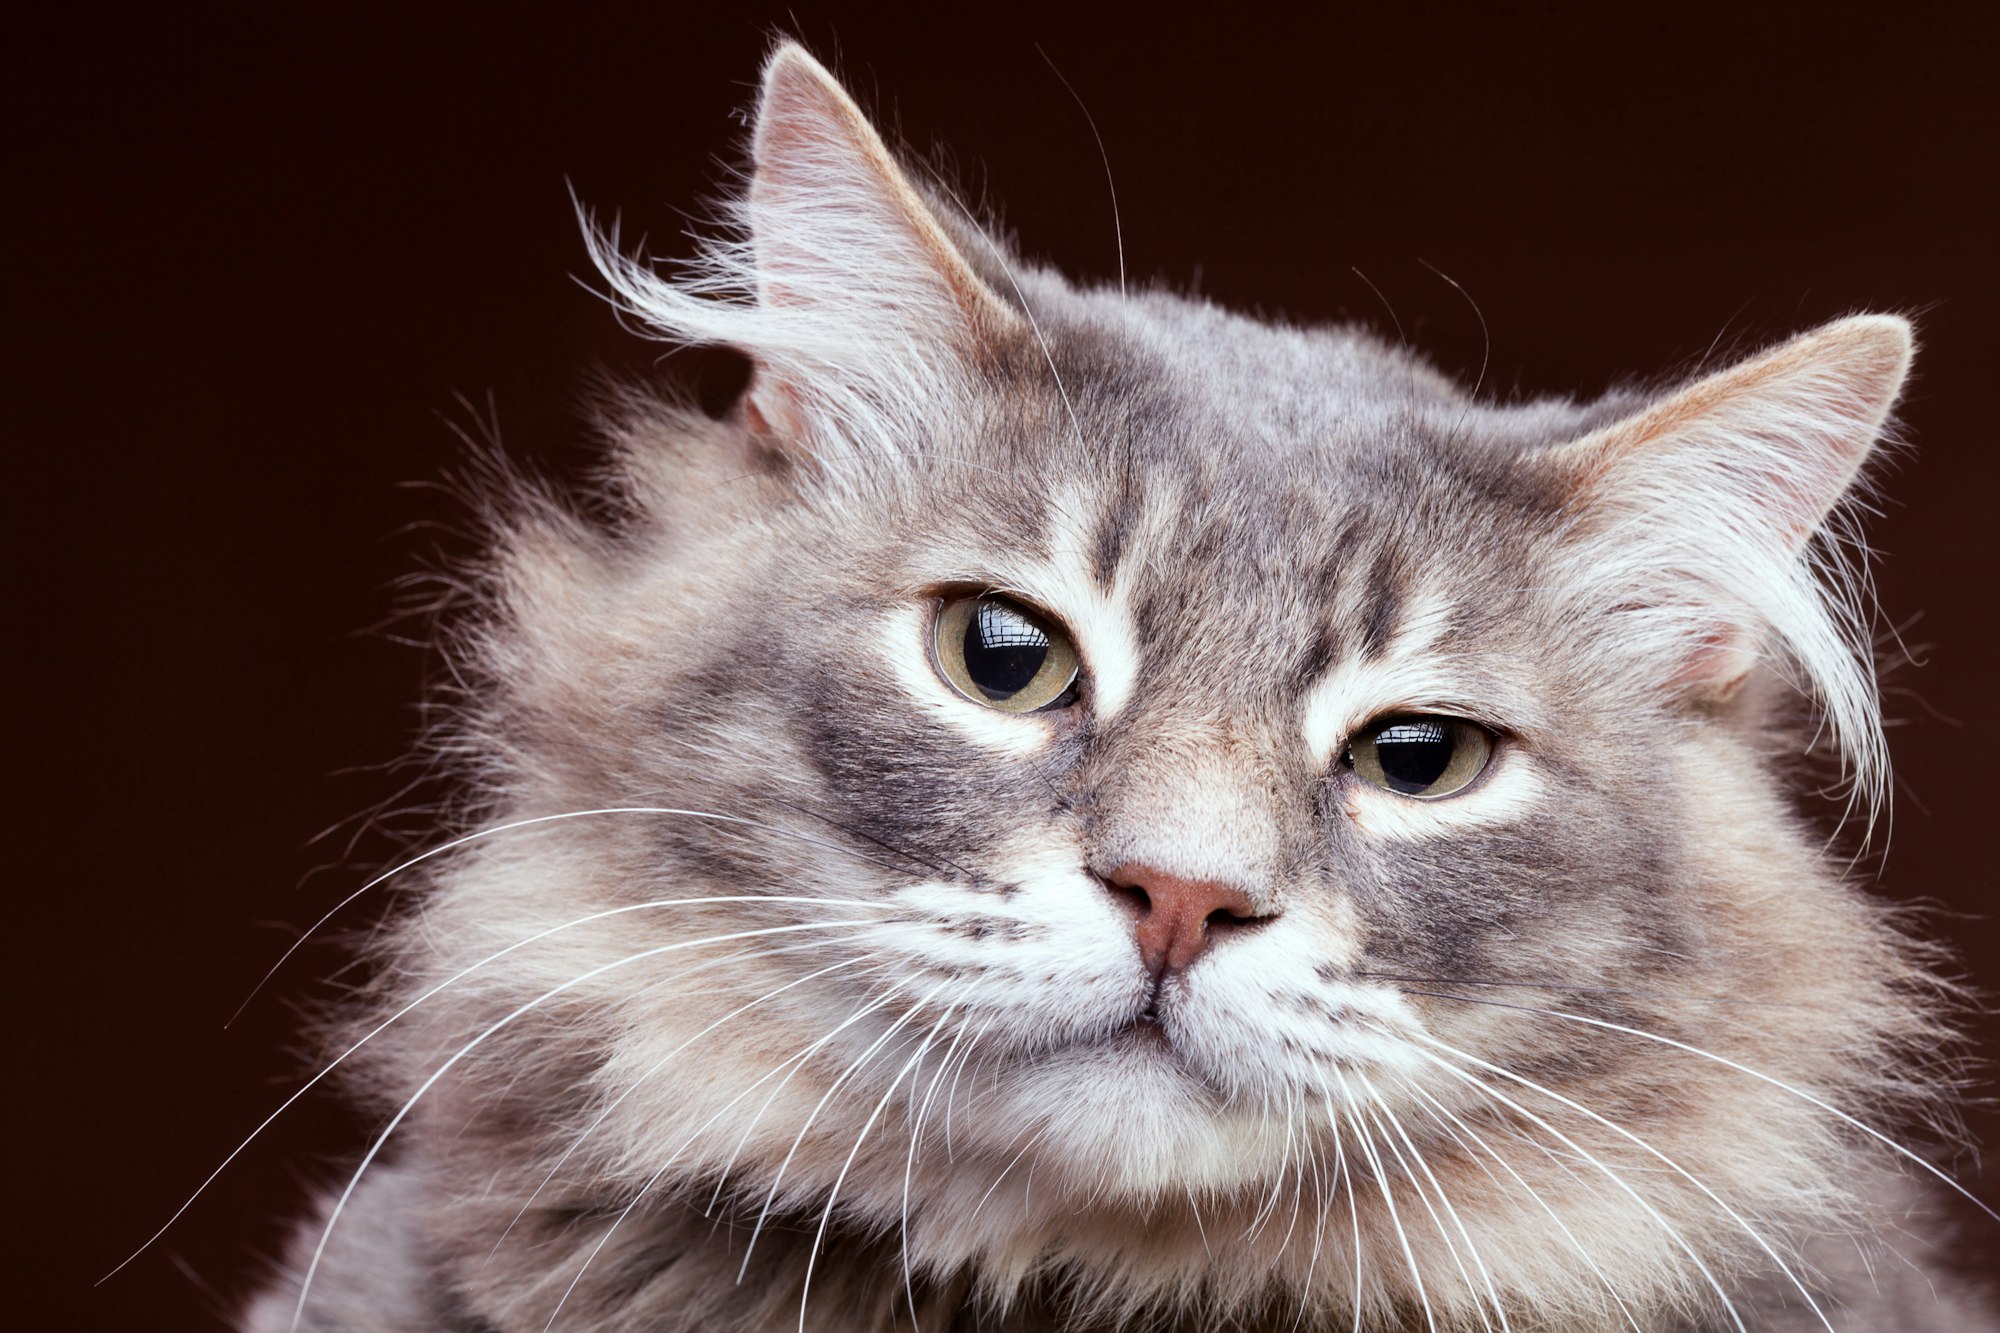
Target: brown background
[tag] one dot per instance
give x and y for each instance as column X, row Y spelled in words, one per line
column 266, row 257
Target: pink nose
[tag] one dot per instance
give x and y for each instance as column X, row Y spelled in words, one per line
column 1176, row 919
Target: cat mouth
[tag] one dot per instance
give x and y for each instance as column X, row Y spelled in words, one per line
column 1144, row 1035
column 1147, row 1029
column 1143, row 1047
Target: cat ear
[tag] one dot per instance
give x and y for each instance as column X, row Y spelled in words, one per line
column 1701, row 512
column 845, row 289
column 1777, row 439
column 838, row 228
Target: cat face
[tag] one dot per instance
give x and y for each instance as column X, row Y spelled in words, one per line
column 1055, row 757
column 1240, row 610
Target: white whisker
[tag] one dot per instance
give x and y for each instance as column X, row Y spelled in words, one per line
column 771, row 1195
column 833, row 1194
column 1367, row 1146
column 1648, row 1148
column 510, row 827
column 1584, row 1154
column 1012, row 1162
column 1778, row 1083
column 910, row 1161
column 456, row 977
column 1117, row 224
column 639, row 1082
column 368, row 1158
column 1373, row 1111
column 789, row 1068
column 1346, row 1171
column 1384, row 1112
column 1442, row 1113
column 792, row 1062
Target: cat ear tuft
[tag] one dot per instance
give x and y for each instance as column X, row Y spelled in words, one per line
column 1715, row 517
column 835, row 222
column 850, row 297
column 1778, row 439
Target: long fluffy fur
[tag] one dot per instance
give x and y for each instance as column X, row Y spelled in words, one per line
column 778, row 985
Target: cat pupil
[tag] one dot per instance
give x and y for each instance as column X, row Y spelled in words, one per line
column 1004, row 650
column 1414, row 755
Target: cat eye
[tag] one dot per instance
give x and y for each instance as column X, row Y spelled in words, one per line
column 997, row 652
column 1422, row 755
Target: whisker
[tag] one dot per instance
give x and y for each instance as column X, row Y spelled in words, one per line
column 1383, row 1112
column 951, row 1092
column 374, row 1149
column 1321, row 1204
column 1346, row 1172
column 1330, row 1192
column 455, row 843
column 1373, row 1113
column 635, row 1085
column 1270, row 1203
column 1298, row 1173
column 910, row 1161
column 1498, row 983
column 1117, row 226
column 1034, row 324
column 793, row 1062
column 1012, row 1162
column 1194, row 1208
column 456, row 977
column 1367, row 1146
column 1442, row 1114
column 1485, row 334
column 826, row 1213
column 1778, row 1083
column 939, row 864
column 771, row 1196
column 790, row 1068
column 1587, row 1156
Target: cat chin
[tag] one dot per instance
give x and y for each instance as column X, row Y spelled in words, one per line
column 1128, row 1115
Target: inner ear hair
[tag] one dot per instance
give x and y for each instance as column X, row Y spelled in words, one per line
column 1697, row 517
column 860, row 314
column 828, row 203
column 1780, row 436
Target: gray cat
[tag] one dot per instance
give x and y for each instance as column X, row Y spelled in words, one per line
column 1074, row 809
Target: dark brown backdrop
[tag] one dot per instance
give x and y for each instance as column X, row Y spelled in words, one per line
column 267, row 256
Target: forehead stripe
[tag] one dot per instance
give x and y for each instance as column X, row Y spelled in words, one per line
column 1402, row 671
column 1097, row 609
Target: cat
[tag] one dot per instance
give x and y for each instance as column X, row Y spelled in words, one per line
column 1070, row 808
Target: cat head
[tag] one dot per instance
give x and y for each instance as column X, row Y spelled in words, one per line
column 1100, row 782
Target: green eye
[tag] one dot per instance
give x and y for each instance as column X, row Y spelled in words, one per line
column 997, row 652
column 1422, row 755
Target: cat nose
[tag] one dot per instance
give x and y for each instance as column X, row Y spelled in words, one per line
column 1175, row 918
